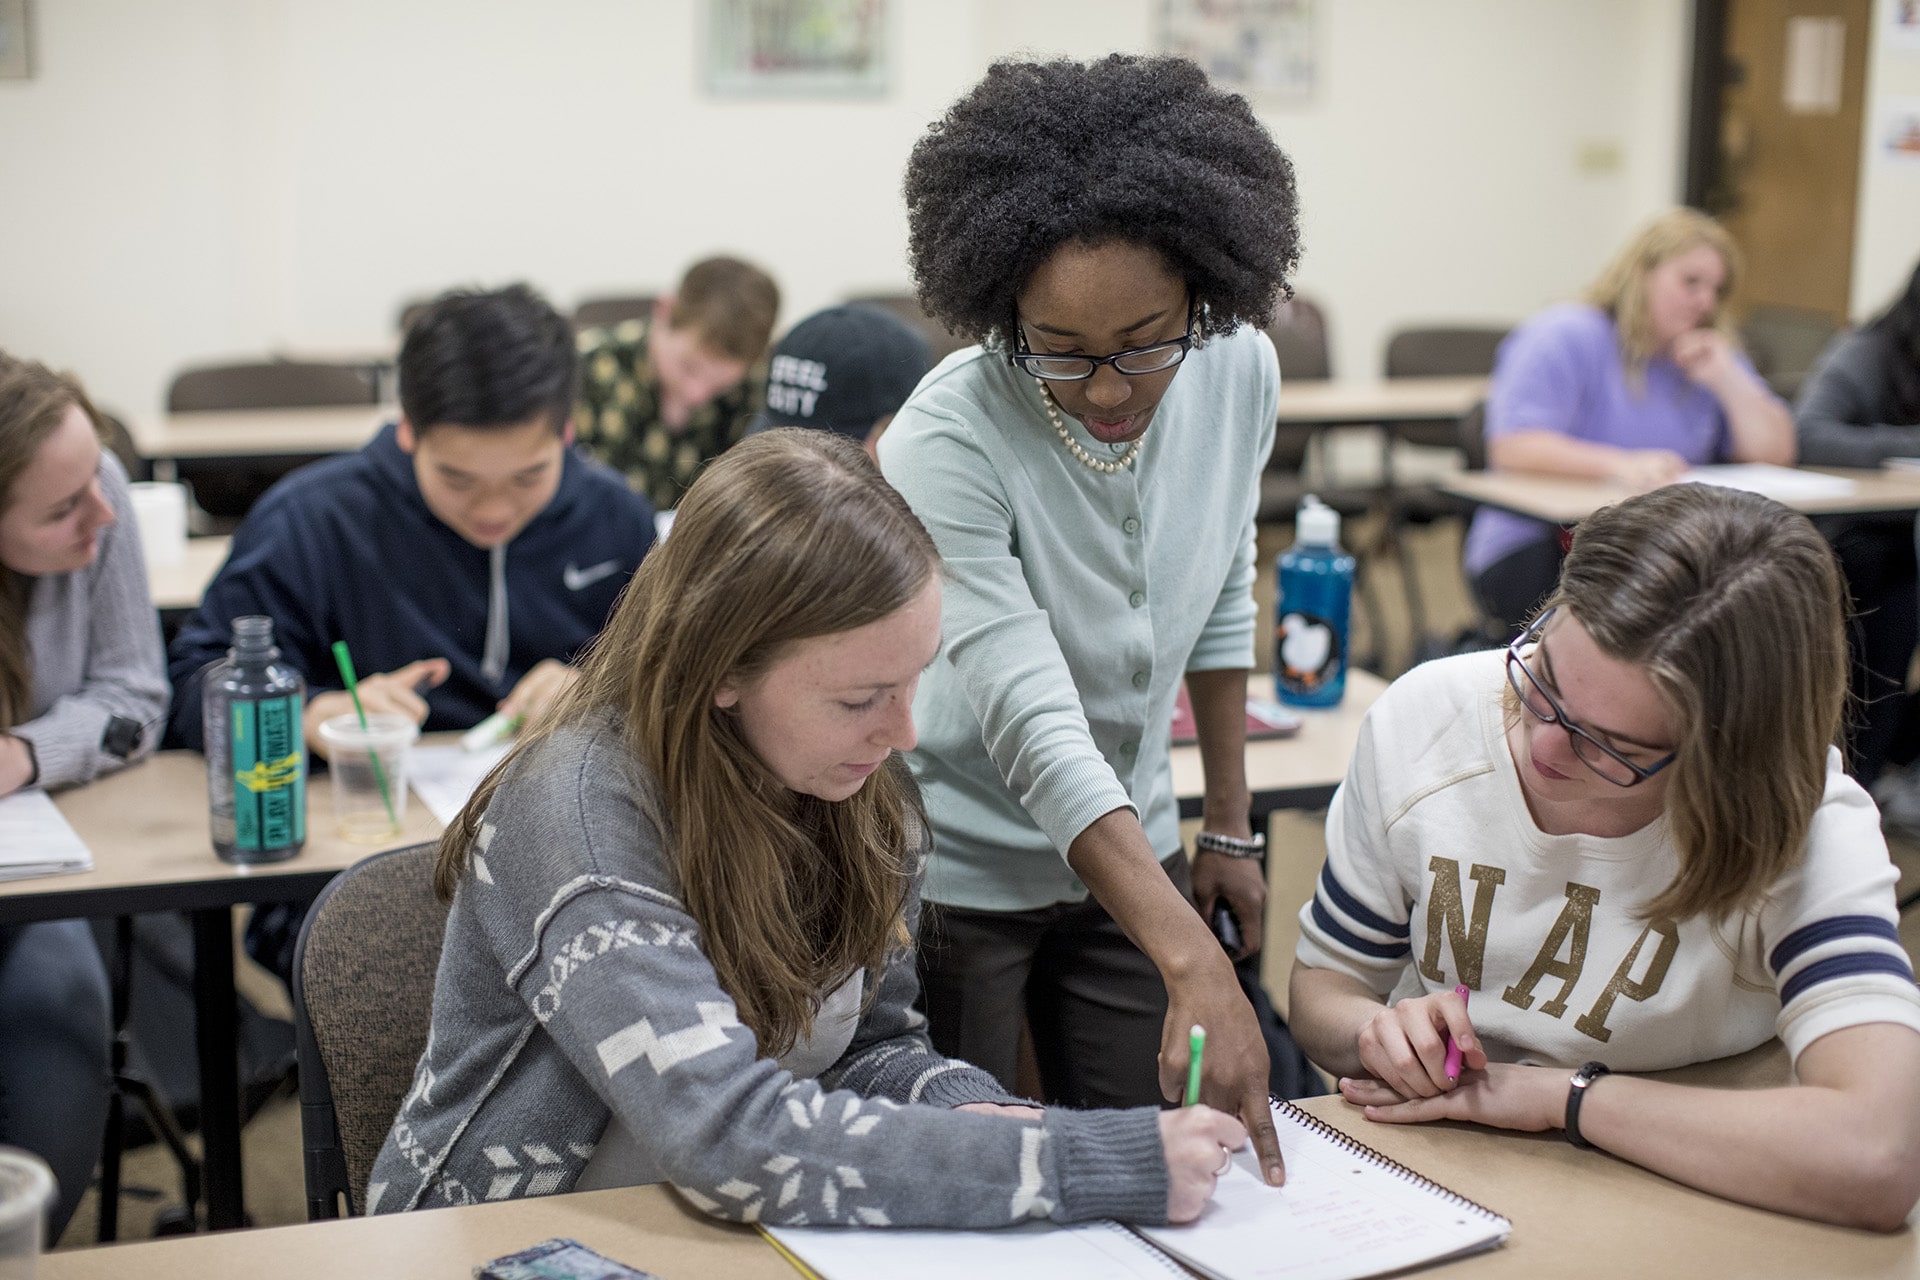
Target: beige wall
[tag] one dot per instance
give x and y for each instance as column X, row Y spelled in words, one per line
column 1887, row 226
column 210, row 177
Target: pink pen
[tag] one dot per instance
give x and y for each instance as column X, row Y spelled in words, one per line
column 1453, row 1050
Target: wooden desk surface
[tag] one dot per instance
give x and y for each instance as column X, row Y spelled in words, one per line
column 147, row 827
column 258, row 432
column 1574, row 1214
column 1290, row 773
column 1386, row 401
column 1559, row 500
column 181, row 584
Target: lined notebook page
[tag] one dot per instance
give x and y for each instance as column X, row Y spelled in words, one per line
column 1346, row 1212
column 1093, row 1251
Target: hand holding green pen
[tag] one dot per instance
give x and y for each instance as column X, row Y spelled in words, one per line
column 1196, row 1051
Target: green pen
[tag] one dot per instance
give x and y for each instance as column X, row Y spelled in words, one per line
column 344, row 661
column 1196, row 1049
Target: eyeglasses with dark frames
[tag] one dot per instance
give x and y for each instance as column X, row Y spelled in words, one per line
column 1543, row 706
column 1133, row 362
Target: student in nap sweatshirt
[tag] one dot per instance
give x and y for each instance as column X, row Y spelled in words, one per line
column 1631, row 838
column 681, row 941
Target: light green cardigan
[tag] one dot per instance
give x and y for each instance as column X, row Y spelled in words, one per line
column 1074, row 603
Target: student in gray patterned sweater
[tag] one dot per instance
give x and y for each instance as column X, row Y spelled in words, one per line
column 680, row 947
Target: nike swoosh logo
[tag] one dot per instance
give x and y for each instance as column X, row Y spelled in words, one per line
column 577, row 578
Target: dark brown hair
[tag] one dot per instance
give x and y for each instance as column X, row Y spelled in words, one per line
column 33, row 399
column 789, row 535
column 1734, row 607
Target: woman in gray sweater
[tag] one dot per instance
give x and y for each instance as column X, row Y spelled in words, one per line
column 1861, row 406
column 82, row 688
column 681, row 944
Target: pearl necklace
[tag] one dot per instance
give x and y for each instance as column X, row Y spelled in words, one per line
column 1086, row 459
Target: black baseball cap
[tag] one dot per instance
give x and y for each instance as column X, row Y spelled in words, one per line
column 844, row 369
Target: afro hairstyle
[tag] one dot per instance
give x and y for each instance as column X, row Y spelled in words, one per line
column 1137, row 149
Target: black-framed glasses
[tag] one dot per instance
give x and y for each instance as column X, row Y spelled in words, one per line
column 1543, row 706
column 1134, row 361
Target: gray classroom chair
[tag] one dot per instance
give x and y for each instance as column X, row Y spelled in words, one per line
column 597, row 313
column 363, row 974
column 906, row 307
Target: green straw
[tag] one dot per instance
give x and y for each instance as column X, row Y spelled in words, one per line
column 345, row 662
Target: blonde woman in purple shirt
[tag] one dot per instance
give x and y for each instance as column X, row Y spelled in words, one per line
column 1632, row 385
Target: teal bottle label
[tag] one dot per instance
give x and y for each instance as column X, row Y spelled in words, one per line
column 269, row 774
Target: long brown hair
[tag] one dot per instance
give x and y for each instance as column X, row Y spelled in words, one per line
column 789, row 535
column 33, row 399
column 1734, row 607
column 1620, row 290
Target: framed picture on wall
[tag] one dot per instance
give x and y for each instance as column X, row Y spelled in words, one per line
column 1262, row 48
column 767, row 48
column 16, row 50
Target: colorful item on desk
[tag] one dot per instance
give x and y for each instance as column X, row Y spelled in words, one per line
column 1196, row 1049
column 492, row 731
column 558, row 1259
column 1453, row 1049
column 344, row 661
column 1264, row 720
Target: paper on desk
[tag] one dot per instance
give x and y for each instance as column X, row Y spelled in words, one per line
column 445, row 777
column 1782, row 484
column 35, row 839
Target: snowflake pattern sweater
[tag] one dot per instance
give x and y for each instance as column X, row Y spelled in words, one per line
column 572, row 988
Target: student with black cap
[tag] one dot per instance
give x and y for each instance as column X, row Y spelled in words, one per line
column 847, row 369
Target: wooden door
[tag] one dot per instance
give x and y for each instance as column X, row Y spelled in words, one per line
column 1789, row 164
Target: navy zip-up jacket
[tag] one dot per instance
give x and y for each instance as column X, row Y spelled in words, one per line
column 346, row 549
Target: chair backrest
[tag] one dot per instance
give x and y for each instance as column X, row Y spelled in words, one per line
column 1444, row 351
column 271, row 384
column 1784, row 343
column 593, row 313
column 1299, row 333
column 1472, row 437
column 906, row 307
column 363, row 974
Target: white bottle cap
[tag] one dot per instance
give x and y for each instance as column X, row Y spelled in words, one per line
column 1317, row 524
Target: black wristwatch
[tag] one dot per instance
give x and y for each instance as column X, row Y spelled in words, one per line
column 1576, row 1093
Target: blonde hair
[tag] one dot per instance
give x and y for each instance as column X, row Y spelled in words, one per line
column 1734, row 607
column 789, row 535
column 33, row 400
column 1620, row 290
column 730, row 305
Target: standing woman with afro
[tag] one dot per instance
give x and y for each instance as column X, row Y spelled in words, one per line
column 1113, row 234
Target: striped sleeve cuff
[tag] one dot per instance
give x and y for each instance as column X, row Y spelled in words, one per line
column 1352, row 936
column 1839, row 972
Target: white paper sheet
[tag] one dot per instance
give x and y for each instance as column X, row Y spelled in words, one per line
column 445, row 777
column 35, row 839
column 1782, row 484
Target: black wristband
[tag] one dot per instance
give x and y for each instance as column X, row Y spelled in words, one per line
column 1576, row 1093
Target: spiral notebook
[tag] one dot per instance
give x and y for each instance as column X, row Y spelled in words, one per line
column 1347, row 1212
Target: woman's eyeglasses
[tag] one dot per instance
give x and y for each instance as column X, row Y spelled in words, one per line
column 1134, row 361
column 1543, row 706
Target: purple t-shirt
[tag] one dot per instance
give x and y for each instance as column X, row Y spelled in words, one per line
column 1561, row 371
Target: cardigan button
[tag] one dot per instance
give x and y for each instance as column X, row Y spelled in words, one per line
column 1140, row 679
column 1137, row 599
column 1128, row 748
column 1130, row 526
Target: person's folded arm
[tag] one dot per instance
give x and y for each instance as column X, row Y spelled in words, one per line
column 1840, row 419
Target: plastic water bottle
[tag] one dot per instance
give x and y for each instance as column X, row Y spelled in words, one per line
column 1315, row 597
column 250, row 704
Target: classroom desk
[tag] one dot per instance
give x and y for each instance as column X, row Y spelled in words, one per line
column 254, row 433
column 1574, row 1213
column 1340, row 402
column 1559, row 500
column 1300, row 772
column 177, row 587
column 147, row 828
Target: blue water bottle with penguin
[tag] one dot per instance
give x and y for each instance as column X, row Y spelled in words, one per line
column 1315, row 597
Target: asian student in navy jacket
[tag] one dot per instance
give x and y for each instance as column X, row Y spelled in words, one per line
column 466, row 554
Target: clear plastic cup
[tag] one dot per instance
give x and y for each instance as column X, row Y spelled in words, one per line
column 26, row 1189
column 369, row 769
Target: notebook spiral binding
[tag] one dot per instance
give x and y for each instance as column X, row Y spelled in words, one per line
column 1353, row 1146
